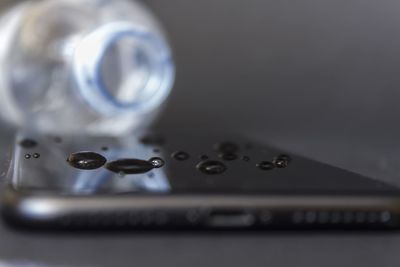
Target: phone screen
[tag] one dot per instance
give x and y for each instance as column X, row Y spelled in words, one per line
column 169, row 164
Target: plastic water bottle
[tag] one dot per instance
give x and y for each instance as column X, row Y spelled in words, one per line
column 82, row 66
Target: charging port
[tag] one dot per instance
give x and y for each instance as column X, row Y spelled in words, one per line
column 230, row 218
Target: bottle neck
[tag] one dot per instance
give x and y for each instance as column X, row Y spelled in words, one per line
column 121, row 68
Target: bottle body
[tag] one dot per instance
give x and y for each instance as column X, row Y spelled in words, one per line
column 83, row 66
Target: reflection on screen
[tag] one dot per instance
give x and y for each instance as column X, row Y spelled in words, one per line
column 51, row 171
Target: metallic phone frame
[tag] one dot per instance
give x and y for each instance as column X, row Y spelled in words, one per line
column 202, row 211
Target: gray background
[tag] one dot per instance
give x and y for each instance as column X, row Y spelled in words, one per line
column 314, row 76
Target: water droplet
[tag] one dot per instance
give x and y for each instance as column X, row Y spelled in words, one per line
column 157, row 162
column 228, row 156
column 246, row 158
column 104, row 148
column 156, row 150
column 265, row 165
column 121, row 174
column 151, row 175
column 203, row 157
column 27, row 156
column 36, row 155
column 211, row 167
column 226, row 147
column 28, row 143
column 281, row 161
column 153, row 139
column 86, row 160
column 180, row 155
column 129, row 166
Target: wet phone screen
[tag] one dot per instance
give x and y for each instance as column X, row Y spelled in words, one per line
column 157, row 163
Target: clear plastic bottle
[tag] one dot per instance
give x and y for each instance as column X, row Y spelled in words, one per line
column 82, row 66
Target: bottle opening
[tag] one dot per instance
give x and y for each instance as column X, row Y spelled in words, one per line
column 121, row 68
column 126, row 68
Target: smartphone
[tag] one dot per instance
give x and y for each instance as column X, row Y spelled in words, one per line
column 185, row 181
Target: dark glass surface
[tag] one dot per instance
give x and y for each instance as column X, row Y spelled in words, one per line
column 251, row 168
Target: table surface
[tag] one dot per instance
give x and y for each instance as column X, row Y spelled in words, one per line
column 317, row 77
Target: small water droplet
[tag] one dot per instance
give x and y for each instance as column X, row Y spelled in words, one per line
column 157, row 162
column 57, row 139
column 153, row 139
column 211, row 167
column 282, row 161
column 104, row 148
column 180, row 155
column 228, row 156
column 203, row 157
column 156, row 150
column 265, row 165
column 121, row 174
column 246, row 158
column 86, row 160
column 28, row 143
column 36, row 155
column 151, row 175
column 226, row 147
column 129, row 166
column 27, row 156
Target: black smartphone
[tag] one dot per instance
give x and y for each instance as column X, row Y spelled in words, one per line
column 185, row 181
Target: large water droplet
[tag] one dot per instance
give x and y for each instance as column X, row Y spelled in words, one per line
column 211, row 167
column 28, row 143
column 180, row 155
column 36, row 155
column 86, row 160
column 129, row 166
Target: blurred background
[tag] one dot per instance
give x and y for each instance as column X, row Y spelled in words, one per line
column 317, row 77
